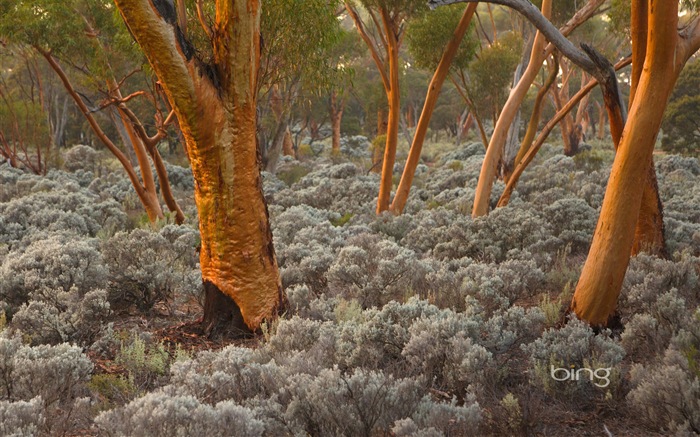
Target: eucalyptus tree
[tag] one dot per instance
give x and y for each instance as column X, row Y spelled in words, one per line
column 215, row 99
column 669, row 40
column 436, row 43
column 298, row 38
column 384, row 37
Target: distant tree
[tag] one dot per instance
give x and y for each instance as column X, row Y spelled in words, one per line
column 298, row 36
column 681, row 126
column 25, row 136
column 85, row 35
column 389, row 19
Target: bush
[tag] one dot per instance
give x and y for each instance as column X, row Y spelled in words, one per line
column 147, row 267
column 49, row 267
column 63, row 316
column 160, row 415
column 374, row 271
column 80, row 157
column 52, row 376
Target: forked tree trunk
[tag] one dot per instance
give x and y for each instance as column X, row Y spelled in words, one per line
column 431, row 98
column 595, row 298
column 218, row 121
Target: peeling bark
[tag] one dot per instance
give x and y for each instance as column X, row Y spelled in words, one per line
column 216, row 109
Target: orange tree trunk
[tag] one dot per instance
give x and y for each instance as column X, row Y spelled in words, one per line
column 392, row 131
column 218, row 122
column 649, row 232
column 596, row 294
column 431, row 98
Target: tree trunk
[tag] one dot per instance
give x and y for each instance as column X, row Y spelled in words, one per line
column 392, row 132
column 601, row 121
column 431, row 98
column 595, row 298
column 288, row 143
column 649, row 233
column 494, row 153
column 273, row 153
column 336, row 114
column 218, row 121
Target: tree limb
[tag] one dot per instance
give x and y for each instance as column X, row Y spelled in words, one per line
column 370, row 44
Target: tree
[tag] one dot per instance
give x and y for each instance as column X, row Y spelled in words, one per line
column 25, row 137
column 216, row 105
column 69, row 31
column 389, row 18
column 667, row 51
column 494, row 152
column 428, row 33
column 297, row 37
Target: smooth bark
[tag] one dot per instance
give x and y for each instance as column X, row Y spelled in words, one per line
column 595, row 298
column 494, row 152
column 431, row 98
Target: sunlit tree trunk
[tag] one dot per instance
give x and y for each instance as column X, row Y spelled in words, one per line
column 596, row 294
column 392, row 132
column 218, row 121
column 431, row 98
column 649, row 232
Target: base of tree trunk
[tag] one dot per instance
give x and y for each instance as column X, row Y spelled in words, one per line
column 222, row 317
column 613, row 323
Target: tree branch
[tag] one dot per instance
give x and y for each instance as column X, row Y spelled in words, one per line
column 203, row 20
column 553, row 35
column 542, row 137
column 372, row 47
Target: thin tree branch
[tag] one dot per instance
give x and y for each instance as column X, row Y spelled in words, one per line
column 370, row 44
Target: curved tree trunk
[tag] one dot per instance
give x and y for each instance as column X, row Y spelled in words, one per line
column 431, row 98
column 595, row 298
